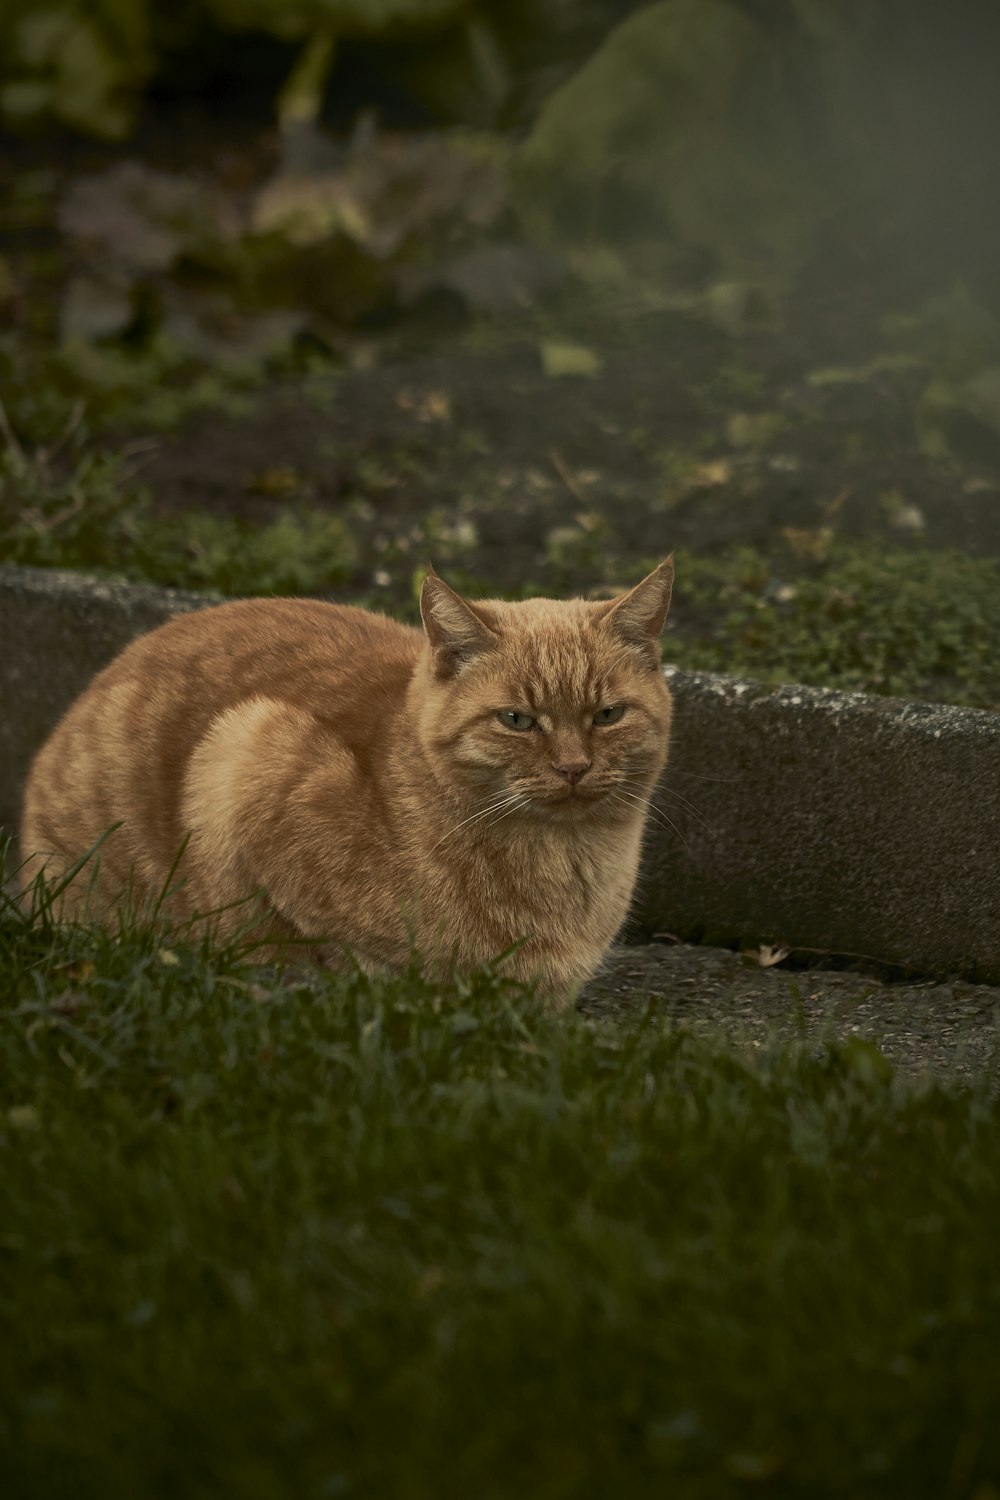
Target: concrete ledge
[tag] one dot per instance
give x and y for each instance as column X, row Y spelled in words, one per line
column 825, row 820
column 835, row 821
column 57, row 629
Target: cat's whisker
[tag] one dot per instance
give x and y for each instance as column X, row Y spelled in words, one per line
column 474, row 818
column 644, row 802
column 685, row 802
column 519, row 803
column 656, row 813
column 671, row 791
column 696, row 776
column 483, row 812
column 648, row 804
column 688, row 807
column 664, row 823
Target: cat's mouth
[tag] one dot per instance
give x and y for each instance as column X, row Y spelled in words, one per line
column 564, row 801
column 572, row 797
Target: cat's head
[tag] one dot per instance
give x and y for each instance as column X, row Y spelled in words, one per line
column 560, row 704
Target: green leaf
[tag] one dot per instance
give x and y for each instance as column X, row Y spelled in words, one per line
column 560, row 359
column 301, row 98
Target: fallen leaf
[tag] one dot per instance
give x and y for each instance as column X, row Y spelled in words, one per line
column 560, row 359
column 716, row 471
column 835, row 375
column 757, row 429
column 768, row 954
column 831, row 507
column 426, row 406
column 736, row 306
column 908, row 518
column 809, row 542
column 860, row 374
column 276, row 482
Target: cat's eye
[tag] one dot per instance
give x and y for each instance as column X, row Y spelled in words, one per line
column 511, row 719
column 609, row 715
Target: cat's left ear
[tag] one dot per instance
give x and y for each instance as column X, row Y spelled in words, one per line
column 638, row 616
column 455, row 629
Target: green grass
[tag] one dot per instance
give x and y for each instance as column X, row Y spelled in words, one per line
column 91, row 516
column 333, row 1237
column 153, row 387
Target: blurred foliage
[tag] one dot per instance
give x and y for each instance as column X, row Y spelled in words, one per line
column 79, row 63
column 735, row 134
column 87, row 64
column 158, row 292
column 679, row 125
column 295, row 18
column 742, row 131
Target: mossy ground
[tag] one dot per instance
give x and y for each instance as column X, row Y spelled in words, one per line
column 328, row 1236
column 832, row 523
column 348, row 483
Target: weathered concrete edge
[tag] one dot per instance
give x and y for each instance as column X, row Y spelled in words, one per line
column 826, row 820
column 57, row 629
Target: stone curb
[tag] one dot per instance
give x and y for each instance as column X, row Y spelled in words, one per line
column 826, row 821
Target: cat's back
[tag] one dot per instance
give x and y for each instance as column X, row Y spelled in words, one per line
column 122, row 749
column 325, row 658
column 304, row 651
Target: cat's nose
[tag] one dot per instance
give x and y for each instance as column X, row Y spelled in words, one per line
column 572, row 770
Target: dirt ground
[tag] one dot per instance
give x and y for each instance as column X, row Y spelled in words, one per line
column 479, row 457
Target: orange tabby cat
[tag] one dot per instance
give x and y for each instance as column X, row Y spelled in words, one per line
column 459, row 789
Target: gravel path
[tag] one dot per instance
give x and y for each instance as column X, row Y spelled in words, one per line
column 927, row 1028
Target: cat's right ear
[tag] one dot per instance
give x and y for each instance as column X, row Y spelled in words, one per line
column 455, row 630
column 638, row 616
